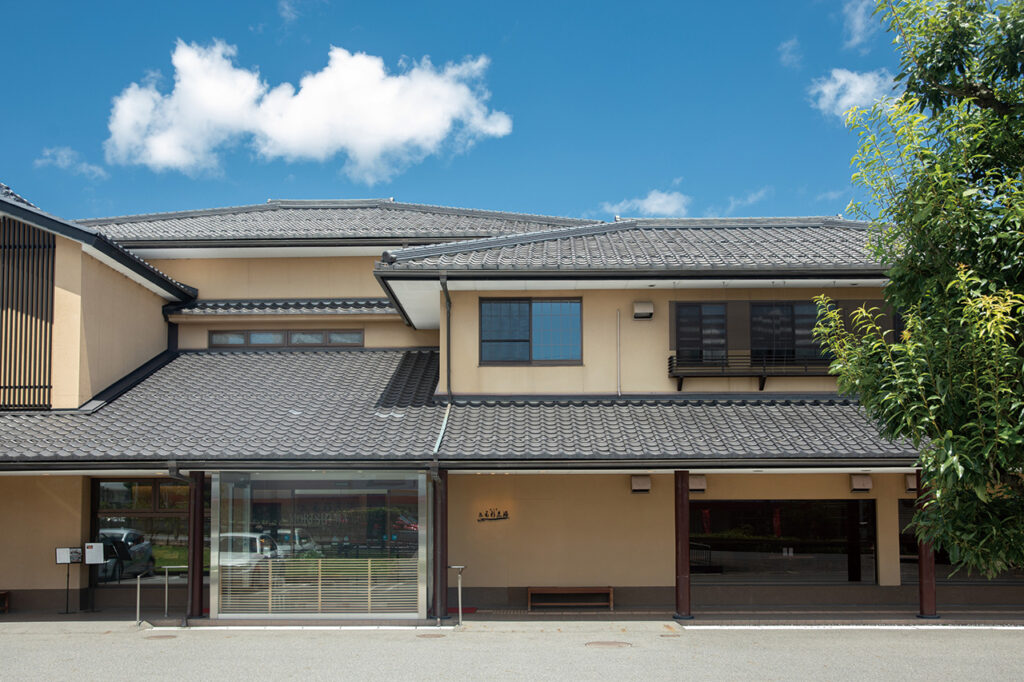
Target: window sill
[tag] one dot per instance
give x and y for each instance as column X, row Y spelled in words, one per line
column 535, row 363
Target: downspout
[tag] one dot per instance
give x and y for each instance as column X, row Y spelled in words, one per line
column 447, row 335
column 618, row 352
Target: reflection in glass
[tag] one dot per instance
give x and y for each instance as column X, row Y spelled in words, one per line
column 783, row 540
column 171, row 495
column 141, row 545
column 334, row 543
column 126, row 495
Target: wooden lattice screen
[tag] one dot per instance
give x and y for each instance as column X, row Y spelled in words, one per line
column 26, row 315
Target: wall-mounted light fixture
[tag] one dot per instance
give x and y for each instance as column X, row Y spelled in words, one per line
column 911, row 483
column 860, row 483
column 643, row 310
column 698, row 483
column 640, row 484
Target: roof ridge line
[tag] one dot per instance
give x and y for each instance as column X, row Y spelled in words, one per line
column 754, row 222
column 429, row 250
column 171, row 215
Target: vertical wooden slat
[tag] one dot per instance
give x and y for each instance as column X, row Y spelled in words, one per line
column 682, row 528
column 26, row 315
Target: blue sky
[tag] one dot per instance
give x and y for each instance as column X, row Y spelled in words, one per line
column 579, row 109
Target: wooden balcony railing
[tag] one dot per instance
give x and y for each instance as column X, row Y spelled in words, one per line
column 745, row 364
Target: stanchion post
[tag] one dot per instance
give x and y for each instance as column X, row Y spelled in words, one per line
column 460, row 569
column 138, row 600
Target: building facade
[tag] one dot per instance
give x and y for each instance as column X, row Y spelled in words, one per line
column 312, row 409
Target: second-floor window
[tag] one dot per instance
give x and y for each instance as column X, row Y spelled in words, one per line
column 700, row 332
column 783, row 332
column 523, row 330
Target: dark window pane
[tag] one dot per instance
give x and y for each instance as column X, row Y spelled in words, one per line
column 172, row 496
column 266, row 338
column 688, row 333
column 556, row 330
column 346, row 338
column 505, row 351
column 126, row 495
column 713, row 332
column 771, row 332
column 227, row 339
column 307, row 338
column 805, row 315
column 505, row 321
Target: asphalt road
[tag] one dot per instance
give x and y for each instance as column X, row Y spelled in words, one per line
column 508, row 650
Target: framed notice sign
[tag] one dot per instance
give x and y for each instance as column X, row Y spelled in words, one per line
column 69, row 555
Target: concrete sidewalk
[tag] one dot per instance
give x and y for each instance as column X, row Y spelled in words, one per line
column 510, row 649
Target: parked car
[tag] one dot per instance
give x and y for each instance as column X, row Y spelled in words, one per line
column 127, row 554
column 295, row 542
column 244, row 556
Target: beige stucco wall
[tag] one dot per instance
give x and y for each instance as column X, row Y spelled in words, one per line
column 644, row 345
column 243, row 278
column 42, row 513
column 392, row 333
column 104, row 325
column 123, row 326
column 589, row 529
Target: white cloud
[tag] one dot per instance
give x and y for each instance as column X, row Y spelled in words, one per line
column 287, row 10
column 789, row 53
column 843, row 90
column 858, row 22
column 68, row 159
column 381, row 122
column 748, row 200
column 831, row 195
column 656, row 203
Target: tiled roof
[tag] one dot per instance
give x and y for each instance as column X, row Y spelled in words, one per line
column 290, row 306
column 371, row 219
column 670, row 245
column 377, row 405
column 309, row 405
column 732, row 430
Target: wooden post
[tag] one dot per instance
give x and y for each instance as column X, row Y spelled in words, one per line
column 441, row 545
column 682, row 486
column 196, row 540
column 925, row 568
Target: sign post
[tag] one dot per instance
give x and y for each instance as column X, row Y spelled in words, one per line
column 68, row 556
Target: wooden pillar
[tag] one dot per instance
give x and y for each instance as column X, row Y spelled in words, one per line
column 196, row 540
column 441, row 545
column 925, row 568
column 682, row 485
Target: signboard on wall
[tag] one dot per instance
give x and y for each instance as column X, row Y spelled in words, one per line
column 94, row 553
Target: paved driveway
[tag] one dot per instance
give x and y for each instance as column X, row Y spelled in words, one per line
column 508, row 650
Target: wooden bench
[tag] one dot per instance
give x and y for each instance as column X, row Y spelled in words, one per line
column 607, row 592
column 5, row 601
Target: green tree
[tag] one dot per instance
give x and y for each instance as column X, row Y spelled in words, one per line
column 941, row 164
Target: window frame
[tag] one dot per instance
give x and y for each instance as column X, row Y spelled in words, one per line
column 531, row 362
column 287, row 345
column 702, row 362
column 792, row 358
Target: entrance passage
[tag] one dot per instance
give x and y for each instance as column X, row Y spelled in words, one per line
column 780, row 541
column 327, row 544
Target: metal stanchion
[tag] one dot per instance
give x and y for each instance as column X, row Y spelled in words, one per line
column 138, row 599
column 460, row 569
column 167, row 586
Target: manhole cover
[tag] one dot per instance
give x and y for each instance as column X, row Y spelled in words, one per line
column 161, row 636
column 609, row 645
column 435, row 635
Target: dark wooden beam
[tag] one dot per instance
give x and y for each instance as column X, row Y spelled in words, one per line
column 196, row 540
column 853, row 572
column 925, row 568
column 682, row 523
column 440, row 609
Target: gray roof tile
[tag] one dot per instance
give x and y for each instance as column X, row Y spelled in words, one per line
column 371, row 219
column 623, row 430
column 281, row 306
column 677, row 245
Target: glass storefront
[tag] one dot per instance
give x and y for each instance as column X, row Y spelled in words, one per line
column 143, row 525
column 331, row 544
column 783, row 541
